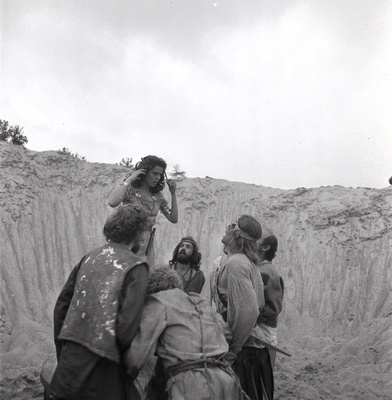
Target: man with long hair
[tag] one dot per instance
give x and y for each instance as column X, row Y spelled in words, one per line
column 186, row 262
column 240, row 293
column 98, row 312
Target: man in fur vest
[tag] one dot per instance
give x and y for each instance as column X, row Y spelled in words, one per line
column 98, row 312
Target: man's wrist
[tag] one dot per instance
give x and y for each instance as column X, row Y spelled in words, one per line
column 230, row 356
column 229, row 359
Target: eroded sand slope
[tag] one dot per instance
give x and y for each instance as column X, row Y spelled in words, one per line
column 335, row 254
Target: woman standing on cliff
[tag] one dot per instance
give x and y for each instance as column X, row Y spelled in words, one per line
column 143, row 188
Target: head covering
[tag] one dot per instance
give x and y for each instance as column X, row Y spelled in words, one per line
column 190, row 240
column 242, row 232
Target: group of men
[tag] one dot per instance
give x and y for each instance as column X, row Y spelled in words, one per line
column 115, row 313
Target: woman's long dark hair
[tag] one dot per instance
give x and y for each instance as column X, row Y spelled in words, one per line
column 148, row 163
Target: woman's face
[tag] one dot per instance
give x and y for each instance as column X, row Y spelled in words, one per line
column 153, row 176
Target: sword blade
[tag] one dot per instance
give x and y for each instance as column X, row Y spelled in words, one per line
column 272, row 347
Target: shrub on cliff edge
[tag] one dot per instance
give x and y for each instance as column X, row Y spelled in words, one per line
column 12, row 134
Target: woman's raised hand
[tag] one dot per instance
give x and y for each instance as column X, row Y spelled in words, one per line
column 172, row 185
column 135, row 174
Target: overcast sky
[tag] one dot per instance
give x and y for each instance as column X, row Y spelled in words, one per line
column 277, row 93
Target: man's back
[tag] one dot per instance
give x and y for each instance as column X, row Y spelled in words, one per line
column 184, row 327
column 182, row 330
column 273, row 292
column 91, row 319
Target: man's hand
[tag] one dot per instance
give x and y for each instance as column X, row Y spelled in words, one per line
column 228, row 359
column 132, row 373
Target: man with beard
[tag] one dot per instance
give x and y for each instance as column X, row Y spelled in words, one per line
column 240, row 292
column 186, row 262
column 97, row 314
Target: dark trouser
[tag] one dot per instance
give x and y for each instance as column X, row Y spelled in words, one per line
column 156, row 388
column 253, row 368
column 83, row 375
column 273, row 357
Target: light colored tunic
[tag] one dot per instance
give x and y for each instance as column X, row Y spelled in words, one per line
column 241, row 286
column 217, row 265
column 180, row 328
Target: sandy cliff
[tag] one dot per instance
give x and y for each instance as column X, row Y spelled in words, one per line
column 335, row 254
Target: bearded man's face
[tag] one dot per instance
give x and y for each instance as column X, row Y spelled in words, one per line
column 185, row 252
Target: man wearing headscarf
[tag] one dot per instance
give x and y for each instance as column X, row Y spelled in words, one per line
column 240, row 293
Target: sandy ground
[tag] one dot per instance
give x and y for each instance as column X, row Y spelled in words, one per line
column 325, row 370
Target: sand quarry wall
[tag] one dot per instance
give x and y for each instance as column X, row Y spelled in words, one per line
column 335, row 247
